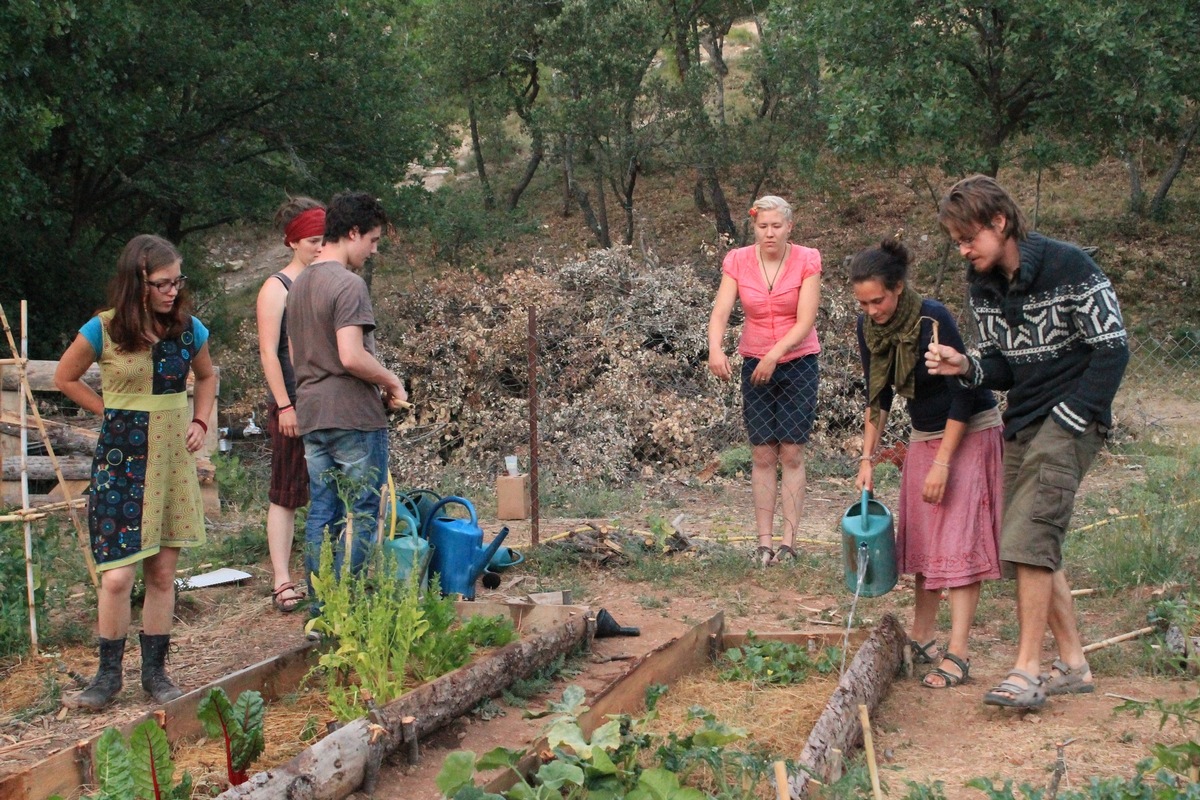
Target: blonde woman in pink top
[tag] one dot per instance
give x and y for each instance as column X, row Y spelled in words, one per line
column 779, row 285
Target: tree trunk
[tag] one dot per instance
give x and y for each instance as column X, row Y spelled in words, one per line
column 580, row 196
column 489, row 197
column 41, row 468
column 725, row 226
column 602, row 211
column 1159, row 200
column 630, row 182
column 64, row 438
column 865, row 682
column 535, row 160
column 1137, row 194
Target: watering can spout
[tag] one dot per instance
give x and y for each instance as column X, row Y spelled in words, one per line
column 490, row 551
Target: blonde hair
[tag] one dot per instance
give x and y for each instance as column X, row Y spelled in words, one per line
column 770, row 202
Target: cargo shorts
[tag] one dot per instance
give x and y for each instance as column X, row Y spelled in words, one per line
column 1043, row 466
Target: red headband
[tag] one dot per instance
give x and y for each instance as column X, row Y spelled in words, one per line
column 303, row 225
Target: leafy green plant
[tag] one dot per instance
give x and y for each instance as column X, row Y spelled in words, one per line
column 766, row 661
column 240, row 726
column 448, row 643
column 374, row 623
column 140, row 769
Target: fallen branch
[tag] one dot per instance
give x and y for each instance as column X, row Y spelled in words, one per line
column 1124, row 637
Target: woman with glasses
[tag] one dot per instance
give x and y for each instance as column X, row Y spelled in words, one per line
column 144, row 501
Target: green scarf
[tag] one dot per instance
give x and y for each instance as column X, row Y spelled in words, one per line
column 893, row 349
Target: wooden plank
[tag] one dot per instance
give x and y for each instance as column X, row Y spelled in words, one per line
column 62, row 773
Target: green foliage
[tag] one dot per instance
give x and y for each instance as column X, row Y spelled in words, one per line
column 768, row 661
column 14, row 607
column 447, row 644
column 121, row 117
column 373, row 624
column 611, row 762
column 734, row 460
column 140, row 769
column 55, row 555
column 240, row 727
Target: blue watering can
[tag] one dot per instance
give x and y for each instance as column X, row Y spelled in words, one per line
column 869, row 547
column 459, row 557
column 410, row 550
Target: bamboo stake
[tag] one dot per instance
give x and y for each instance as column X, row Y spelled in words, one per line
column 1124, row 637
column 31, row 600
column 781, row 781
column 869, row 748
column 80, row 534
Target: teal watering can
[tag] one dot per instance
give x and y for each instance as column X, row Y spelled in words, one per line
column 869, row 547
column 404, row 543
column 459, row 556
column 423, row 501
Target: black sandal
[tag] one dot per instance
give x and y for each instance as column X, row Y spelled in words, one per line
column 949, row 679
column 764, row 556
column 784, row 551
column 923, row 653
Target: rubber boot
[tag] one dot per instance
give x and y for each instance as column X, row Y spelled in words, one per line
column 154, row 673
column 107, row 684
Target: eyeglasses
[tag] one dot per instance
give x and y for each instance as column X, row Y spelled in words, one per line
column 166, row 286
column 967, row 241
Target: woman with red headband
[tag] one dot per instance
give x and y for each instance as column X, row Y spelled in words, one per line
column 303, row 223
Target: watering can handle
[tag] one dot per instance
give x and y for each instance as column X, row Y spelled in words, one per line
column 445, row 501
column 866, row 497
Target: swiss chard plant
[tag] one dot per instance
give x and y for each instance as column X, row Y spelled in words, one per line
column 138, row 769
column 240, row 727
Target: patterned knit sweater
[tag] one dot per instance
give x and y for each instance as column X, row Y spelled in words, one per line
column 1053, row 337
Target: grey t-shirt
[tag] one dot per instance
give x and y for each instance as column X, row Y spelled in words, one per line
column 325, row 298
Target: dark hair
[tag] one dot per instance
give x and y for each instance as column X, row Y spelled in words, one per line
column 293, row 207
column 350, row 210
column 976, row 201
column 128, row 295
column 887, row 264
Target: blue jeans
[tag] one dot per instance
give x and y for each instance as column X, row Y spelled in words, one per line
column 360, row 457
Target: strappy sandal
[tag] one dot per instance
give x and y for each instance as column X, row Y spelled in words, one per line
column 923, row 653
column 784, row 551
column 1010, row 694
column 288, row 604
column 764, row 556
column 949, row 679
column 1069, row 680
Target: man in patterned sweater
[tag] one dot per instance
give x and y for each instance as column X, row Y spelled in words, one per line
column 1051, row 334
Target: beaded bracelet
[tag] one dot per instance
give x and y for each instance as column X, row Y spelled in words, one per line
column 288, row 407
column 201, row 423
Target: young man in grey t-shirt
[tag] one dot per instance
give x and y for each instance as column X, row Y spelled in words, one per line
column 342, row 391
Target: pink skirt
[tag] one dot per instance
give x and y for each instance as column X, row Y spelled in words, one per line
column 956, row 542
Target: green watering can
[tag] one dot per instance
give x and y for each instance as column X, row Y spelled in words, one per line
column 404, row 542
column 869, row 547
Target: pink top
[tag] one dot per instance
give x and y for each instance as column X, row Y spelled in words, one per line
column 770, row 314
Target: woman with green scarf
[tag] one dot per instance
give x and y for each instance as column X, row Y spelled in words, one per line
column 951, row 487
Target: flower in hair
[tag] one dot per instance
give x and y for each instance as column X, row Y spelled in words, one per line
column 753, row 211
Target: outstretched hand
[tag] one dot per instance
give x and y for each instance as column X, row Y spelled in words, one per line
column 942, row 359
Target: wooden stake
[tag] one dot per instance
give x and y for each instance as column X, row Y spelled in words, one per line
column 869, row 748
column 1124, row 637
column 28, row 526
column 781, row 781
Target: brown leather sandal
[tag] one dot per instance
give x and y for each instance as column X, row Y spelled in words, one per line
column 288, row 604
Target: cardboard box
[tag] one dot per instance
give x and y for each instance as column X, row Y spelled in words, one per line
column 512, row 497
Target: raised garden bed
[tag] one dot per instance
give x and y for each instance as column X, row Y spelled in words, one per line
column 545, row 632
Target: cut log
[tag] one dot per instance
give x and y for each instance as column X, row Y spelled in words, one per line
column 337, row 765
column 64, row 437
column 865, row 682
column 41, row 468
column 41, row 377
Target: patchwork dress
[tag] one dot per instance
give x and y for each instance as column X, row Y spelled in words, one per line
column 144, row 493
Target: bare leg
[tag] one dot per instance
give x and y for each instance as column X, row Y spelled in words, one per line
column 158, row 609
column 113, row 603
column 1035, row 590
column 763, row 487
column 925, row 612
column 793, row 487
column 281, row 526
column 1063, row 623
column 963, row 602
